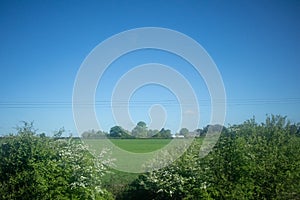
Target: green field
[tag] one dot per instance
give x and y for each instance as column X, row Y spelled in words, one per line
column 133, row 155
column 141, row 145
column 131, row 145
column 117, row 181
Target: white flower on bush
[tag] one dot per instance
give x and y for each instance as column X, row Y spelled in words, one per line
column 85, row 167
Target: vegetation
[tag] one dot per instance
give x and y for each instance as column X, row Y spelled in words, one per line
column 184, row 131
column 119, row 132
column 37, row 167
column 139, row 131
column 92, row 134
column 141, row 145
column 163, row 133
column 249, row 161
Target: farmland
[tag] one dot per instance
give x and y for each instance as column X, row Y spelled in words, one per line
column 249, row 161
column 118, row 182
column 131, row 145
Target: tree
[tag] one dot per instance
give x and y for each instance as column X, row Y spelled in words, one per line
column 92, row 134
column 184, row 132
column 210, row 129
column 101, row 134
column 163, row 133
column 142, row 124
column 119, row 132
column 199, row 132
column 140, row 130
column 256, row 161
column 88, row 134
column 151, row 132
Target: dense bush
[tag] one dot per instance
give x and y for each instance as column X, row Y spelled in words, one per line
column 257, row 162
column 175, row 181
column 37, row 167
column 250, row 161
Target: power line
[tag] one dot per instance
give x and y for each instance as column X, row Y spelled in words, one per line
column 144, row 103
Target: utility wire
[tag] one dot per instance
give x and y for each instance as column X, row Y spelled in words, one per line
column 144, row 103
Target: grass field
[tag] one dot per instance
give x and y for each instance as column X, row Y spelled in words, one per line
column 117, row 181
column 141, row 145
column 133, row 145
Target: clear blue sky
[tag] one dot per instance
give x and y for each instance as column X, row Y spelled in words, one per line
column 255, row 45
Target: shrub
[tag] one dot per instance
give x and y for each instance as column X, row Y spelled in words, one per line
column 38, row 167
column 249, row 161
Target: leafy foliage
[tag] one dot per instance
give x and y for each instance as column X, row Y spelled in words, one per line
column 184, row 131
column 163, row 133
column 176, row 181
column 140, row 130
column 119, row 132
column 37, row 167
column 92, row 134
column 250, row 161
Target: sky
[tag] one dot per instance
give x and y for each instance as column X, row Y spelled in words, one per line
column 254, row 44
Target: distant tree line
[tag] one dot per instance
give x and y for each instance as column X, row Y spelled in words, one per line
column 141, row 131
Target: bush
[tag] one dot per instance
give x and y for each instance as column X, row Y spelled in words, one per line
column 176, row 181
column 249, row 161
column 37, row 167
column 256, row 162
